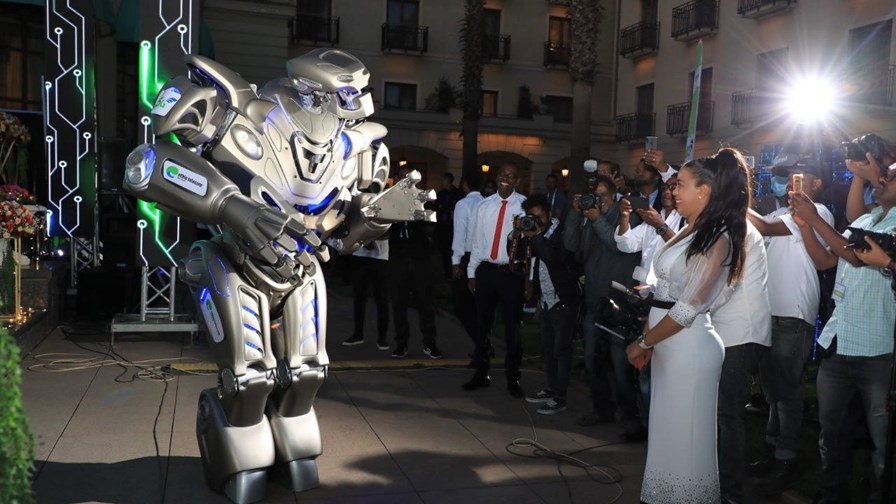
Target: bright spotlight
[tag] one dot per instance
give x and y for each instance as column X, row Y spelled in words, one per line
column 810, row 100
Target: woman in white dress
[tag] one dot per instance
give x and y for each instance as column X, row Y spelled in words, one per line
column 696, row 271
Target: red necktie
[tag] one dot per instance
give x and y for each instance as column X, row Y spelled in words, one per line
column 496, row 241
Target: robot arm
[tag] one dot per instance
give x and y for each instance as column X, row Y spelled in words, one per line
column 190, row 187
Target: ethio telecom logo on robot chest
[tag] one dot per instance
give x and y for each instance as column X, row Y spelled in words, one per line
column 188, row 179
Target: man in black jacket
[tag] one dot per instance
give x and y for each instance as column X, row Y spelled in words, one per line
column 554, row 273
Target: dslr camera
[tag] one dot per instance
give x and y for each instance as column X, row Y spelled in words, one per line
column 588, row 201
column 527, row 222
column 887, row 241
column 855, row 150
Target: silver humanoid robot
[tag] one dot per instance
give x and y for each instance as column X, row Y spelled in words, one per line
column 281, row 174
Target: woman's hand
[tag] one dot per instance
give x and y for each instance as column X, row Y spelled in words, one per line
column 625, row 208
column 637, row 356
column 651, row 217
column 875, row 256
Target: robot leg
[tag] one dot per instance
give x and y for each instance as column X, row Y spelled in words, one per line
column 300, row 348
column 234, row 435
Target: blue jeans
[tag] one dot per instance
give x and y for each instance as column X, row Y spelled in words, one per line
column 734, row 391
column 781, row 372
column 597, row 344
column 557, row 329
column 839, row 377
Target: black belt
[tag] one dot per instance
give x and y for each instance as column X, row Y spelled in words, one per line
column 665, row 305
column 499, row 267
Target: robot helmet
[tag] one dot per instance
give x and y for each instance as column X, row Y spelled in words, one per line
column 337, row 74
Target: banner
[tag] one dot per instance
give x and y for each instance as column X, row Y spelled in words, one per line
column 695, row 105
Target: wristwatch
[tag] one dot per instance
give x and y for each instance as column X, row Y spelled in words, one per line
column 888, row 270
column 643, row 344
column 662, row 229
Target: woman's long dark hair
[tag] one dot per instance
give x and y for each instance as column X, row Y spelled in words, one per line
column 726, row 173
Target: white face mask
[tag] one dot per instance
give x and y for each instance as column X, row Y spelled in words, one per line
column 779, row 186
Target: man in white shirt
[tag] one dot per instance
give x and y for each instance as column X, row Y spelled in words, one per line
column 744, row 325
column 461, row 245
column 492, row 279
column 794, row 293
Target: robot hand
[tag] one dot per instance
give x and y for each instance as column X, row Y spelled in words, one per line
column 269, row 235
column 401, row 202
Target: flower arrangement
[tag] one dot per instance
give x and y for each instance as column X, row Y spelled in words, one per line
column 15, row 220
column 14, row 140
column 16, row 193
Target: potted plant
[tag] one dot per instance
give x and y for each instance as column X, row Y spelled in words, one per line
column 14, row 140
column 16, row 441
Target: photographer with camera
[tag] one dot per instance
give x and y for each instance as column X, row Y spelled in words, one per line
column 868, row 158
column 858, row 337
column 794, row 292
column 554, row 273
column 588, row 232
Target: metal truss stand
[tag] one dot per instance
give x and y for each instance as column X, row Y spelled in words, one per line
column 156, row 307
column 84, row 256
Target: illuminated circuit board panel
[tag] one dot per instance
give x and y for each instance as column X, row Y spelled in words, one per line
column 69, row 104
column 166, row 34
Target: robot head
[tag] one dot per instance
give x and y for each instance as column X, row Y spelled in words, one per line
column 337, row 78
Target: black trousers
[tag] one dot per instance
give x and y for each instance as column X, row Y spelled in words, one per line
column 406, row 275
column 497, row 285
column 464, row 302
column 369, row 271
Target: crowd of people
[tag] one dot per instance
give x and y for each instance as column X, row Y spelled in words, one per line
column 686, row 291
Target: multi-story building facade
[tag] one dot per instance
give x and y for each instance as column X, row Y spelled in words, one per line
column 412, row 47
column 755, row 51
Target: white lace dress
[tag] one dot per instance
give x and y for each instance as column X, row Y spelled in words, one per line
column 682, row 465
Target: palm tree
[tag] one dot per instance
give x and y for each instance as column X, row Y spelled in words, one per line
column 584, row 21
column 471, row 36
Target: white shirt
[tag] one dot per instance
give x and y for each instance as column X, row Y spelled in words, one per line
column 486, row 217
column 793, row 286
column 746, row 317
column 463, row 225
column 380, row 250
column 643, row 238
column 549, row 296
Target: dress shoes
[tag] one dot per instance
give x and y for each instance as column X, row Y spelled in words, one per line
column 479, row 381
column 782, row 475
column 514, row 389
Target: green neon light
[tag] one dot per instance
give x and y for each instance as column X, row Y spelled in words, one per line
column 154, row 216
column 148, row 90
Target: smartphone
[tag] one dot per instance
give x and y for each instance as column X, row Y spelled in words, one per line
column 797, row 182
column 650, row 143
column 751, row 162
column 638, row 202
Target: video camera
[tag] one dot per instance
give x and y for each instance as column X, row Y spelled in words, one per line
column 887, row 241
column 623, row 312
column 875, row 145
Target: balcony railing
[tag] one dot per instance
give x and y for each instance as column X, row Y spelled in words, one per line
column 871, row 84
column 556, row 54
column 639, row 39
column 314, row 29
column 752, row 106
column 634, row 127
column 679, row 114
column 695, row 19
column 496, row 47
column 760, row 8
column 405, row 38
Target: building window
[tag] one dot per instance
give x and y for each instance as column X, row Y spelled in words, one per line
column 560, row 107
column 403, row 13
column 649, row 11
column 400, row 96
column 315, row 7
column 489, row 103
column 21, row 56
column 774, row 68
column 558, row 30
column 644, row 109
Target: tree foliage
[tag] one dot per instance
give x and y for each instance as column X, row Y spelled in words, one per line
column 584, row 24
column 16, row 442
